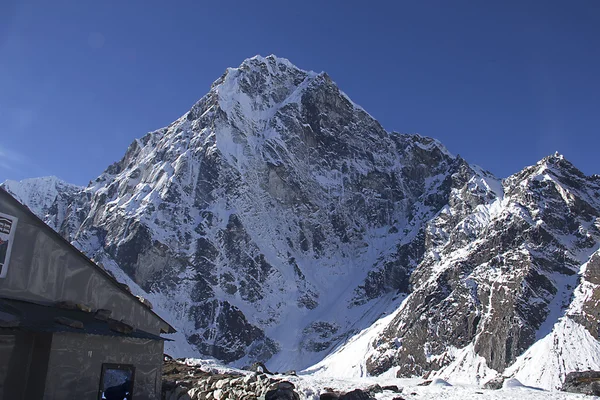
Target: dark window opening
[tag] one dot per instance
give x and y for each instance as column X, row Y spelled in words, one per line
column 116, row 382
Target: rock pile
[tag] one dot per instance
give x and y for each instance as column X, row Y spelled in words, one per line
column 187, row 382
column 184, row 382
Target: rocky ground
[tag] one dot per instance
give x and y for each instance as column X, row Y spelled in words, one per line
column 195, row 379
column 183, row 381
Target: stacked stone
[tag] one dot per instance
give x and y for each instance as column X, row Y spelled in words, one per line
column 192, row 383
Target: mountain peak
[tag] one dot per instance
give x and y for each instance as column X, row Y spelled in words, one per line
column 558, row 163
column 270, row 59
column 41, row 184
column 254, row 90
column 553, row 158
column 39, row 194
column 276, row 218
column 269, row 65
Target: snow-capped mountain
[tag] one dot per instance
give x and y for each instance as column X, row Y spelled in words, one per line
column 278, row 221
column 48, row 197
column 507, row 284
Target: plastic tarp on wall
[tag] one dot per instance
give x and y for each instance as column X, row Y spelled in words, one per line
column 7, row 346
column 76, row 360
column 23, row 362
column 45, row 268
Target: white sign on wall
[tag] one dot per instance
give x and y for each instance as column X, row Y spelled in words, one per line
column 8, row 226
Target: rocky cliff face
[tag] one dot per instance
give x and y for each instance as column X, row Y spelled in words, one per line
column 277, row 218
column 56, row 202
column 505, row 265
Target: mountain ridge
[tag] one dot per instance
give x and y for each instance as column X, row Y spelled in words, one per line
column 276, row 220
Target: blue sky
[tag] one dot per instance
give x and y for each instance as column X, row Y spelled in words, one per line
column 502, row 83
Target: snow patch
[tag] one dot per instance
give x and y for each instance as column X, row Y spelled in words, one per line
column 569, row 347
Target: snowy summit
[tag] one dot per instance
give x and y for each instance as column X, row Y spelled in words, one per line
column 277, row 221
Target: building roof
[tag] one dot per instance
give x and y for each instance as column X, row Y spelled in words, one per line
column 33, row 317
column 111, row 279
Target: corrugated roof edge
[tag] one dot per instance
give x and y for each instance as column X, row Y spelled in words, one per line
column 111, row 279
column 47, row 322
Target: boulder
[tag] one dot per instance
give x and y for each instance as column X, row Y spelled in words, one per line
column 84, row 307
column 69, row 322
column 494, row 383
column 392, row 388
column 285, row 385
column 103, row 314
column 374, row 389
column 67, row 305
column 260, row 368
column 585, row 382
column 120, row 326
column 145, row 302
column 125, row 286
column 356, row 394
column 282, row 394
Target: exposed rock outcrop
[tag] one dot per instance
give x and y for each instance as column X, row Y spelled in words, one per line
column 277, row 219
column 586, row 382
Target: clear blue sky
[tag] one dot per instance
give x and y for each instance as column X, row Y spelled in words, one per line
column 502, row 83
